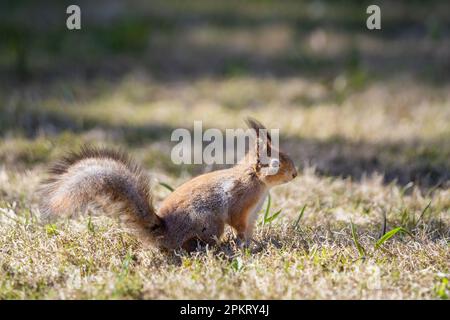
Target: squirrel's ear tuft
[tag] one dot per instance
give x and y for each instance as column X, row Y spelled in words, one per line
column 263, row 143
column 254, row 124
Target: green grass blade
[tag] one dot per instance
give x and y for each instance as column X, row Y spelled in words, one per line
column 165, row 185
column 299, row 217
column 266, row 214
column 126, row 264
column 359, row 247
column 90, row 225
column 51, row 229
column 405, row 217
column 390, row 234
column 408, row 186
column 423, row 213
column 383, row 226
column 273, row 217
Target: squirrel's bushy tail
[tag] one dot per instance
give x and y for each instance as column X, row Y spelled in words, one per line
column 101, row 177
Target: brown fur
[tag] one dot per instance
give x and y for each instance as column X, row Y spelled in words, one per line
column 198, row 210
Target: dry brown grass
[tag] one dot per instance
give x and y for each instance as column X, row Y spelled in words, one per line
column 95, row 258
column 365, row 116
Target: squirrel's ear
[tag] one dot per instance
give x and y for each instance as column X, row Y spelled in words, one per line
column 263, row 141
column 259, row 128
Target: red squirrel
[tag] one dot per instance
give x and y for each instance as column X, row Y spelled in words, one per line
column 198, row 210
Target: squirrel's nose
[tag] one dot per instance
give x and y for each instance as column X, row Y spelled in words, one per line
column 294, row 174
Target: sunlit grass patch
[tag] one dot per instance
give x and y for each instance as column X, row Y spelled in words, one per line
column 315, row 257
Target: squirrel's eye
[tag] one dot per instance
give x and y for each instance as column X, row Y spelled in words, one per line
column 274, row 162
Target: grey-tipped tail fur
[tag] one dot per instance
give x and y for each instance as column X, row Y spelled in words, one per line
column 102, row 177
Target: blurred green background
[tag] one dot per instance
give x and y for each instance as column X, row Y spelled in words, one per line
column 348, row 101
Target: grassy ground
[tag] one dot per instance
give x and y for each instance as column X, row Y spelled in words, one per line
column 365, row 116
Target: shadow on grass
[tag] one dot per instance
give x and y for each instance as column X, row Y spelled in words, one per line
column 185, row 41
column 423, row 162
column 174, row 42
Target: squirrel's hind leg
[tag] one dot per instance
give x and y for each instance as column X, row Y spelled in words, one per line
column 244, row 232
column 191, row 244
column 208, row 235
